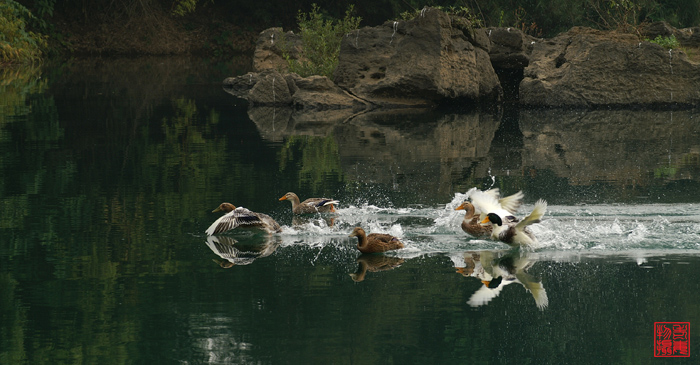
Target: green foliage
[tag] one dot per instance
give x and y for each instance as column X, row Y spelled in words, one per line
column 321, row 42
column 17, row 45
column 184, row 7
column 666, row 42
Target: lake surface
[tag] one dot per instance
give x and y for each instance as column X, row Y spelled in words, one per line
column 110, row 170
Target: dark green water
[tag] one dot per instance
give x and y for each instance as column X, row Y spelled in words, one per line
column 110, row 169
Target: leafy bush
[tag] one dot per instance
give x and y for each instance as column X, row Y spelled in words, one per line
column 321, row 42
column 666, row 42
column 17, row 45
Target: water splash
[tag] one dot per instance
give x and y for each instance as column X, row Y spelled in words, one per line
column 493, row 179
column 436, row 229
column 396, row 27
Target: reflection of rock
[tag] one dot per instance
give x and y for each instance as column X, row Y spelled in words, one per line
column 274, row 124
column 623, row 146
column 429, row 149
column 243, row 252
column 374, row 263
column 496, row 269
column 431, row 58
column 432, row 149
column 585, row 67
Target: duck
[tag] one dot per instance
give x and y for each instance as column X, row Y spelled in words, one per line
column 243, row 218
column 311, row 205
column 375, row 242
column 515, row 233
column 471, row 223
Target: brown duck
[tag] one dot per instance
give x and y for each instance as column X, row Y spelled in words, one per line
column 243, row 218
column 375, row 242
column 471, row 222
column 311, row 205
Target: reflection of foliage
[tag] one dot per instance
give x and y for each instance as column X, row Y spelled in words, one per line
column 687, row 167
column 15, row 85
column 320, row 161
column 26, row 120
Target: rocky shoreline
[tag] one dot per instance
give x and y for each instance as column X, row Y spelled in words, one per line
column 437, row 59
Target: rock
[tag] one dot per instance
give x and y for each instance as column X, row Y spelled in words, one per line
column 419, row 62
column 510, row 48
column 270, row 47
column 319, row 92
column 588, row 68
column 272, row 88
column 687, row 37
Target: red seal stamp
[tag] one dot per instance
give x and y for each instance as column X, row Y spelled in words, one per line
column 671, row 339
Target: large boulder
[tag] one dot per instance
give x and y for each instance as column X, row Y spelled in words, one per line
column 430, row 59
column 587, row 68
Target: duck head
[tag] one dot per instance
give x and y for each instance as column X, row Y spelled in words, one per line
column 224, row 207
column 357, row 232
column 469, row 207
column 493, row 218
column 289, row 196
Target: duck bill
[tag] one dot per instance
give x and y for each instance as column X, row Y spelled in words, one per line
column 461, row 207
column 486, row 283
column 486, row 220
column 283, row 198
column 218, row 209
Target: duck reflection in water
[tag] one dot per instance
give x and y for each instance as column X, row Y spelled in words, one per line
column 496, row 269
column 374, row 263
column 232, row 252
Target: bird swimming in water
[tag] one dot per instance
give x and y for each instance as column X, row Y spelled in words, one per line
column 241, row 218
column 311, row 205
column 375, row 242
column 513, row 232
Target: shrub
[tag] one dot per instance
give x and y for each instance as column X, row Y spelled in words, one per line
column 17, row 45
column 666, row 42
column 321, row 42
